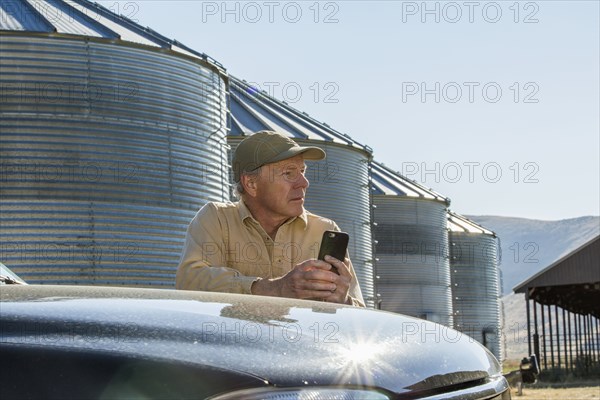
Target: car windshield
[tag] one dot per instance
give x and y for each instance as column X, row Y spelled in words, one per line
column 7, row 277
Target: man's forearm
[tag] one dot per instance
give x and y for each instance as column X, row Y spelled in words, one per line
column 266, row 287
column 212, row 279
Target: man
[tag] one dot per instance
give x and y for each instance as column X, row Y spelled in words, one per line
column 266, row 243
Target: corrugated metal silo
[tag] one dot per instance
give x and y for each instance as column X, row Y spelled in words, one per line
column 344, row 172
column 475, row 282
column 112, row 137
column 412, row 247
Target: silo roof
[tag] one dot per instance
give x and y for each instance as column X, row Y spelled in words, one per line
column 85, row 19
column 254, row 110
column 391, row 183
column 460, row 223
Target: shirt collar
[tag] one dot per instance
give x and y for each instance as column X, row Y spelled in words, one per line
column 245, row 214
column 243, row 210
column 303, row 217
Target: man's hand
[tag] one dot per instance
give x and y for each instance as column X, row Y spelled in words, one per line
column 340, row 294
column 311, row 279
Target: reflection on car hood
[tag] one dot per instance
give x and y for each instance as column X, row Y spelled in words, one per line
column 286, row 342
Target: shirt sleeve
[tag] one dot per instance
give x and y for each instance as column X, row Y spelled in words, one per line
column 354, row 292
column 202, row 262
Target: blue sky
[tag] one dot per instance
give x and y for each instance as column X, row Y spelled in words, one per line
column 493, row 104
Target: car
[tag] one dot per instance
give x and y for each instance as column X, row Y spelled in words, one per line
column 92, row 342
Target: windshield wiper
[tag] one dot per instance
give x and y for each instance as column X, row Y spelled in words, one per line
column 7, row 280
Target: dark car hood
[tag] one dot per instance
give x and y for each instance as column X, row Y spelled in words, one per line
column 286, row 342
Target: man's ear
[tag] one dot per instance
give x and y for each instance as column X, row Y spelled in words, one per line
column 249, row 184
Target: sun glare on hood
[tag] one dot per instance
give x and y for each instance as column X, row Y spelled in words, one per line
column 359, row 353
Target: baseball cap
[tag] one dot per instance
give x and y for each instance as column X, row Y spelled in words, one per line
column 266, row 147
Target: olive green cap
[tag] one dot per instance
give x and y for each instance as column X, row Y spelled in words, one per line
column 266, row 147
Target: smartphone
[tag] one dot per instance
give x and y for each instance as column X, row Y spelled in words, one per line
column 335, row 245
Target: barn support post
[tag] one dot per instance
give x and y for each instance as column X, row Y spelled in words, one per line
column 564, row 320
column 597, row 341
column 528, row 323
column 557, row 336
column 550, row 335
column 577, row 350
column 589, row 338
column 569, row 315
column 536, row 336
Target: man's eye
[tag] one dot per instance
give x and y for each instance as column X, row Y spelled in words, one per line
column 291, row 175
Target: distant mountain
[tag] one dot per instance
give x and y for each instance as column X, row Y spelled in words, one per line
column 528, row 246
column 514, row 326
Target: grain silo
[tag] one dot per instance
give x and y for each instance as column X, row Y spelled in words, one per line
column 112, row 137
column 413, row 275
column 345, row 171
column 475, row 282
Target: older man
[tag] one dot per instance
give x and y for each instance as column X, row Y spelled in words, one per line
column 266, row 243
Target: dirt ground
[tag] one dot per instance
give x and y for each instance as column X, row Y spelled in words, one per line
column 558, row 393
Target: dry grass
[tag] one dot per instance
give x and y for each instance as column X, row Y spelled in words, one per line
column 529, row 393
column 572, row 390
column 510, row 365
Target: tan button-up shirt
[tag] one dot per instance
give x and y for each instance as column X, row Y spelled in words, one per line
column 226, row 249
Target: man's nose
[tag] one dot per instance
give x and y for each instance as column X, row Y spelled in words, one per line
column 302, row 181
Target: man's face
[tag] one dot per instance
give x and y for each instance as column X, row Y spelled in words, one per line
column 281, row 187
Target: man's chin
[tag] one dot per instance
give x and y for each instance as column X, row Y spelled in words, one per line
column 297, row 211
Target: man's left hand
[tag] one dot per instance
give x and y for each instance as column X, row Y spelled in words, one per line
column 342, row 282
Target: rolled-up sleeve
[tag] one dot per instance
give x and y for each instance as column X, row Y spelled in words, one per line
column 202, row 265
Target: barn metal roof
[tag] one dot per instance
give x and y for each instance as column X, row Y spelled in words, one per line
column 580, row 266
column 460, row 223
column 254, row 110
column 572, row 282
column 85, row 19
column 386, row 181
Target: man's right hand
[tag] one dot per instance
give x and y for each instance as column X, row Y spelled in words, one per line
column 311, row 279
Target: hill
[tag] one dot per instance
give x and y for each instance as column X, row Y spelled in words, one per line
column 528, row 246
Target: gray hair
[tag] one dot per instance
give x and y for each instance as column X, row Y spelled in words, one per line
column 238, row 188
